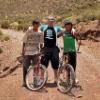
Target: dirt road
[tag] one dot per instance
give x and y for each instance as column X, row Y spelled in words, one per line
column 88, row 73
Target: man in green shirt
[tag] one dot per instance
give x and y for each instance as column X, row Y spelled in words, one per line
column 69, row 43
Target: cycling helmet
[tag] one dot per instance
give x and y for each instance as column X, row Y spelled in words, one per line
column 51, row 18
column 67, row 22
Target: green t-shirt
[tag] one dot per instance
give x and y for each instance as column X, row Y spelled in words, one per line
column 68, row 43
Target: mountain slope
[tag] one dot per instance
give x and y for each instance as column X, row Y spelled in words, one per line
column 32, row 8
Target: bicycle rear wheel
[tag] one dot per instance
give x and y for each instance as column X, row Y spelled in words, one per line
column 66, row 78
column 36, row 77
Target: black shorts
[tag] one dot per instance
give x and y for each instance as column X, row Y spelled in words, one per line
column 50, row 54
column 72, row 59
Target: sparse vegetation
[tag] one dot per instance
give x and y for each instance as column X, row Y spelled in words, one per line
column 88, row 13
column 1, row 33
column 22, row 26
column 14, row 25
column 6, row 38
column 5, row 24
column 78, row 10
column 24, row 11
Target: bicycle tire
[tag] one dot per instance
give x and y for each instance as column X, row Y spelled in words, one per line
column 27, row 77
column 72, row 77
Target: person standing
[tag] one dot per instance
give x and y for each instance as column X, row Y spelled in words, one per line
column 69, row 43
column 50, row 49
column 31, row 44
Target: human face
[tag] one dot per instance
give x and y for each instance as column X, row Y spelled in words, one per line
column 68, row 27
column 50, row 23
column 35, row 27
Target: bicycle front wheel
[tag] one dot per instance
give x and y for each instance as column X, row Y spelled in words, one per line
column 66, row 78
column 36, row 77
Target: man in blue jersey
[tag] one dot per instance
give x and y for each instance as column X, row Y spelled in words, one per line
column 50, row 50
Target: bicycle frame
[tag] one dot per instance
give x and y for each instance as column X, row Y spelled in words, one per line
column 64, row 60
column 63, row 63
column 36, row 76
column 37, row 68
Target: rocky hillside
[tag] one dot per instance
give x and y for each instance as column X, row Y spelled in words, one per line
column 17, row 14
column 33, row 8
column 89, row 30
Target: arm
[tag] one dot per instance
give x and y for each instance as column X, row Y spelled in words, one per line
column 41, row 41
column 75, row 34
column 78, row 39
column 41, row 46
column 24, row 41
column 59, row 34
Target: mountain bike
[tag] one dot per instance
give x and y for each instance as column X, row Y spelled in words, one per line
column 66, row 75
column 36, row 75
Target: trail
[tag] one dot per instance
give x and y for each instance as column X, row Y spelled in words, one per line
column 87, row 73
